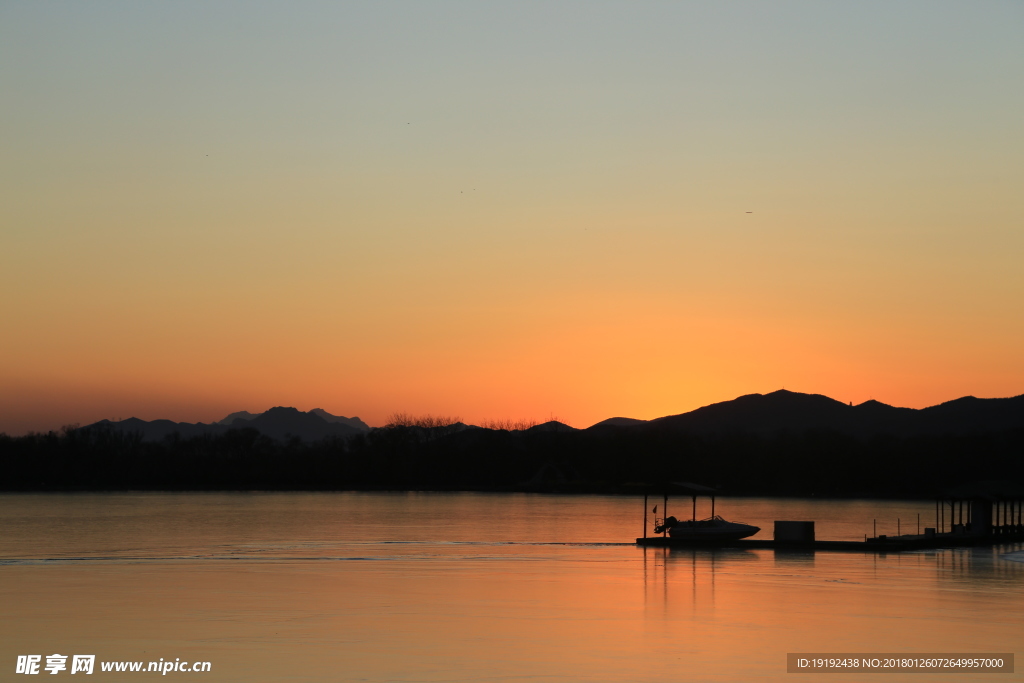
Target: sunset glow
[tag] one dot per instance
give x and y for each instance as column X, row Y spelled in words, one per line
column 506, row 211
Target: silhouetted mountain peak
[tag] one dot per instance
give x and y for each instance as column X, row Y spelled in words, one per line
column 964, row 402
column 350, row 421
column 791, row 411
column 617, row 422
column 280, row 422
column 240, row 415
column 282, row 411
column 795, row 397
column 552, row 426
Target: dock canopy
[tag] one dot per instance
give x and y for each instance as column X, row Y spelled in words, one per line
column 993, row 507
column 673, row 487
column 693, row 489
column 985, row 490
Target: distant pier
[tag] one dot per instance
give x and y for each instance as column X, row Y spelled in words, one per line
column 979, row 514
column 880, row 544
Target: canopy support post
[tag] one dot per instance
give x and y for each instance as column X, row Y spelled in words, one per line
column 645, row 515
column 664, row 511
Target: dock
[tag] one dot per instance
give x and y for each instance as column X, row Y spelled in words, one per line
column 982, row 514
column 882, row 544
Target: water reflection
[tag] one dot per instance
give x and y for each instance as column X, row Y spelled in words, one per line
column 695, row 577
column 790, row 557
column 470, row 586
column 688, row 572
column 987, row 564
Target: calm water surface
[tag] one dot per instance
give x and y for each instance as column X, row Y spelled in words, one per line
column 477, row 587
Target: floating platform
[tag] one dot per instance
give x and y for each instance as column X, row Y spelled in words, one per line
column 881, row 544
column 994, row 516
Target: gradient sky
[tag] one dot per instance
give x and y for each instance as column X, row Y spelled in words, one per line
column 506, row 210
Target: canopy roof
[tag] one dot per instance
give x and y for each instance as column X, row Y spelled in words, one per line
column 684, row 487
column 986, row 490
column 693, row 489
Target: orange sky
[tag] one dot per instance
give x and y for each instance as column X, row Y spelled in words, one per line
column 506, row 211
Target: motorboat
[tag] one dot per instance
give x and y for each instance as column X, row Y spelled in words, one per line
column 713, row 528
column 673, row 531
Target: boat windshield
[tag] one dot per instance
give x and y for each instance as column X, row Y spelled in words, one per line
column 710, row 521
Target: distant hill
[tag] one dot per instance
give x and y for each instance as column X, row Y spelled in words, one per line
column 779, row 444
column 278, row 423
column 552, row 426
column 157, row 430
column 350, row 421
column 284, row 423
column 353, row 422
column 617, row 422
column 240, row 415
column 761, row 414
column 789, row 411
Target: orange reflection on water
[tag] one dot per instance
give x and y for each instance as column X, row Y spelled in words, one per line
column 327, row 587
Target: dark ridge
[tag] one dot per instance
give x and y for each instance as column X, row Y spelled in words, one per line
column 788, row 411
column 778, row 444
column 244, row 415
column 350, row 421
column 779, row 410
column 552, row 426
column 617, row 422
column 277, row 423
column 288, row 423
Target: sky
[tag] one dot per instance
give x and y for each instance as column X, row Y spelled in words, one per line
column 505, row 210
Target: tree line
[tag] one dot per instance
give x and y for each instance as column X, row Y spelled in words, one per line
column 415, row 457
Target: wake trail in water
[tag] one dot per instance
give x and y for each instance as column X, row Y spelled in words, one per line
column 279, row 553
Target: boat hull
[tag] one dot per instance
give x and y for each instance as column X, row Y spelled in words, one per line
column 704, row 531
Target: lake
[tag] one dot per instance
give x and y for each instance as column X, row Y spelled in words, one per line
column 478, row 587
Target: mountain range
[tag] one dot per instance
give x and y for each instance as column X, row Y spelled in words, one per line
column 763, row 414
column 790, row 411
column 278, row 423
column 247, row 417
